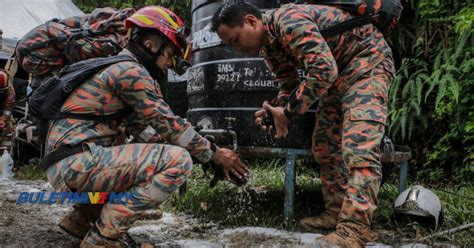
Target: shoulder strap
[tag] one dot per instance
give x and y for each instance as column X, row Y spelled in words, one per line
column 89, row 67
column 75, row 74
column 96, row 118
column 70, row 78
column 78, row 73
column 345, row 26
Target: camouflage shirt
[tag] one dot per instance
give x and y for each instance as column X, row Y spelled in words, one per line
column 295, row 42
column 124, row 85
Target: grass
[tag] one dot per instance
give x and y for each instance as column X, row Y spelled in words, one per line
column 30, row 172
column 260, row 203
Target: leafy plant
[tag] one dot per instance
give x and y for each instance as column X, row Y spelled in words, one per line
column 431, row 99
column 182, row 8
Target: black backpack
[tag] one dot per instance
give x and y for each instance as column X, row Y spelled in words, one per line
column 384, row 14
column 45, row 101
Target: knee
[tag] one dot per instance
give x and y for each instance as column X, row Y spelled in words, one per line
column 186, row 162
column 180, row 159
column 317, row 151
column 55, row 178
column 322, row 154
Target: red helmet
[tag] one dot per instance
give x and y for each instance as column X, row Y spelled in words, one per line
column 4, row 80
column 165, row 21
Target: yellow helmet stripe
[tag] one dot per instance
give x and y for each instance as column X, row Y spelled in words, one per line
column 186, row 52
column 144, row 19
column 168, row 17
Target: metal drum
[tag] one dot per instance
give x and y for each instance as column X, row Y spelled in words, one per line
column 225, row 87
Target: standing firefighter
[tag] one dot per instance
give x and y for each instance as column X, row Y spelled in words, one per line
column 348, row 75
column 7, row 101
column 82, row 154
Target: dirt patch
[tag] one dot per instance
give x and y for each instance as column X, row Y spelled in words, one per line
column 30, row 225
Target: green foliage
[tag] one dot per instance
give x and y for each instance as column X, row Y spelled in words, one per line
column 458, row 209
column 430, row 8
column 386, row 198
column 407, row 97
column 418, row 83
column 431, row 99
column 30, row 172
column 181, row 8
column 463, row 21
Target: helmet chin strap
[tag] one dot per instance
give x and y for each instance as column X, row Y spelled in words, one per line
column 148, row 58
column 154, row 55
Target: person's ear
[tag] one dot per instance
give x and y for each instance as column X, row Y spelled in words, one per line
column 148, row 43
column 251, row 20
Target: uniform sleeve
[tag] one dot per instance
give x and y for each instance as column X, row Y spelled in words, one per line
column 300, row 35
column 9, row 100
column 136, row 87
column 286, row 76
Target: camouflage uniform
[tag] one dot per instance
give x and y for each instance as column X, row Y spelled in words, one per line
column 149, row 171
column 349, row 76
column 7, row 100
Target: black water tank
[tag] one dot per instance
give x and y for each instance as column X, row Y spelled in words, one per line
column 176, row 94
column 225, row 87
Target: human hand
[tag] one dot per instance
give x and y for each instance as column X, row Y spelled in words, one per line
column 230, row 163
column 264, row 119
column 279, row 119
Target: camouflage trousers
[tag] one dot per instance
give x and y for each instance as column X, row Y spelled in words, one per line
column 150, row 172
column 350, row 124
column 7, row 134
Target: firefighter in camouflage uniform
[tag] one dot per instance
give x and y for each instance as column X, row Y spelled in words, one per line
column 348, row 76
column 7, row 100
column 93, row 160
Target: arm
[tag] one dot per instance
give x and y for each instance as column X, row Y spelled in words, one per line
column 287, row 78
column 300, row 35
column 135, row 86
column 6, row 107
column 9, row 101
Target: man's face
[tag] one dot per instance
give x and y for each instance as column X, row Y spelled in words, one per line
column 165, row 60
column 247, row 38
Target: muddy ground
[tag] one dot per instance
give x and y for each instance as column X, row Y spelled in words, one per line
column 30, row 225
column 36, row 226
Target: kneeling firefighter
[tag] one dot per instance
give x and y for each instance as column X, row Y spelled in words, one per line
column 83, row 154
column 7, row 101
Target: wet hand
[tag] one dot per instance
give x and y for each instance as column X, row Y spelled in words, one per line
column 279, row 119
column 231, row 163
column 264, row 119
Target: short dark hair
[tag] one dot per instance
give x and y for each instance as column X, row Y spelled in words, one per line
column 232, row 13
column 139, row 35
